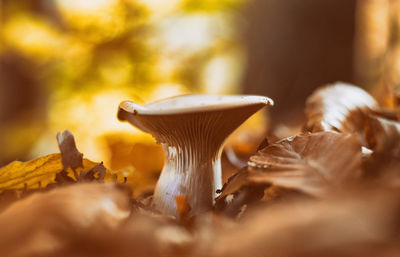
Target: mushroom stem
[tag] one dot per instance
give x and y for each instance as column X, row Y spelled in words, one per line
column 192, row 172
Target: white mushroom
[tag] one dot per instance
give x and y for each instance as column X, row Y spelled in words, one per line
column 192, row 130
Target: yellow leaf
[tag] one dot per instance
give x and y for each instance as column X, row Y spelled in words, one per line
column 37, row 173
column 31, row 174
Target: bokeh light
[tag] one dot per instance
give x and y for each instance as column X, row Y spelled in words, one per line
column 68, row 63
column 88, row 56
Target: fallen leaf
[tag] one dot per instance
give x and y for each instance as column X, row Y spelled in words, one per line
column 383, row 137
column 7, row 197
column 311, row 163
column 234, row 183
column 338, row 107
column 350, row 223
column 183, row 206
column 36, row 173
column 62, row 178
column 51, row 221
column 88, row 219
column 71, row 157
column 98, row 173
column 235, row 204
column 385, row 113
column 51, row 169
column 239, row 193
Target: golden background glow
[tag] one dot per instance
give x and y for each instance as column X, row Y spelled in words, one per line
column 88, row 56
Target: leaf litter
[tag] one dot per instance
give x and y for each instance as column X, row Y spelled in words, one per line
column 332, row 189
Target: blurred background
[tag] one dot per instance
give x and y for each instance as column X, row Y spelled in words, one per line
column 66, row 64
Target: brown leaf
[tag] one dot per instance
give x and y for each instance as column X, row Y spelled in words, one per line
column 240, row 194
column 52, row 220
column 234, row 183
column 293, row 163
column 63, row 178
column 98, row 173
column 71, row 157
column 88, row 219
column 311, row 163
column 234, row 205
column 83, row 169
column 385, row 113
column 8, row 197
column 339, row 107
column 236, row 193
column 383, row 137
column 351, row 223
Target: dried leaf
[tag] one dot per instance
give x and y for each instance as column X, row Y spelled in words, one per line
column 57, row 218
column 88, row 219
column 339, row 107
column 311, row 163
column 352, row 223
column 383, row 137
column 62, row 178
column 233, row 205
column 71, row 157
column 8, row 197
column 236, row 193
column 83, row 169
column 183, row 206
column 50, row 169
column 98, row 173
column 234, row 183
column 385, row 113
column 32, row 174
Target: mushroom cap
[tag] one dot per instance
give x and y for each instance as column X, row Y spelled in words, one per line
column 194, row 103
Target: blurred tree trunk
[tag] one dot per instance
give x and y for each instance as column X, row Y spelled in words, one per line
column 295, row 46
column 23, row 102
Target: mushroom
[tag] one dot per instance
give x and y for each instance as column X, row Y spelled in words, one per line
column 192, row 130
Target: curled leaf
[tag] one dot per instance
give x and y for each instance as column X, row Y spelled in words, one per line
column 82, row 169
column 71, row 157
column 339, row 107
column 311, row 163
column 237, row 193
column 383, row 137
